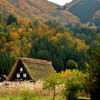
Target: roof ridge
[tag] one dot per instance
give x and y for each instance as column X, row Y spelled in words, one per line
column 35, row 60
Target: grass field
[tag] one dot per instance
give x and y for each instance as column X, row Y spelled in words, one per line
column 34, row 98
column 30, row 91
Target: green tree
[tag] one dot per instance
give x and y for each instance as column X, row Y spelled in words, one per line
column 47, row 50
column 11, row 19
column 1, row 28
column 1, row 17
column 94, row 74
column 6, row 63
column 51, row 82
column 49, row 23
column 71, row 64
column 60, row 28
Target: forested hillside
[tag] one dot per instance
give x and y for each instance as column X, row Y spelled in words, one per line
column 49, row 40
column 76, row 12
column 86, row 10
column 40, row 9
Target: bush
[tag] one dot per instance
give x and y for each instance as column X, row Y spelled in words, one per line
column 74, row 82
column 71, row 89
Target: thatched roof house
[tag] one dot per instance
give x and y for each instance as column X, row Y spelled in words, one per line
column 30, row 69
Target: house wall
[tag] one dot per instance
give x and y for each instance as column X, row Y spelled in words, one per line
column 20, row 73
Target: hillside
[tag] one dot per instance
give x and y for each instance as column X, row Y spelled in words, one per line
column 85, row 10
column 77, row 11
column 40, row 9
column 96, row 18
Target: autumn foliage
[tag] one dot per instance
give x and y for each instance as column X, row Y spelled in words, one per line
column 48, row 40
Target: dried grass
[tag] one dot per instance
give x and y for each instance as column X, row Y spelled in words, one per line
column 18, row 89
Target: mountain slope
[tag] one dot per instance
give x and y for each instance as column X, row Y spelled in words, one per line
column 41, row 9
column 85, row 9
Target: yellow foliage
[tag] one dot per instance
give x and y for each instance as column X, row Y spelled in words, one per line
column 21, row 22
column 69, row 37
column 16, row 51
column 13, row 29
column 20, row 30
column 71, row 41
column 77, row 43
column 56, row 38
column 51, row 34
column 80, row 45
column 41, row 29
column 58, row 35
column 30, row 30
column 18, row 40
column 14, row 36
column 67, row 73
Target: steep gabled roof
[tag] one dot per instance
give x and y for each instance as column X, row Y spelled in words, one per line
column 37, row 69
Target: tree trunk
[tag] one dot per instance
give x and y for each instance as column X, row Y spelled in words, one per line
column 54, row 94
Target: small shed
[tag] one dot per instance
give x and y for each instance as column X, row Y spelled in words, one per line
column 30, row 69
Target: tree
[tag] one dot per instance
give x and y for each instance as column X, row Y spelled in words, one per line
column 74, row 81
column 49, row 23
column 71, row 64
column 1, row 28
column 94, row 74
column 60, row 28
column 51, row 82
column 11, row 19
column 1, row 17
column 6, row 63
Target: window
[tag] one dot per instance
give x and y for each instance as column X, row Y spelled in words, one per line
column 18, row 75
column 21, row 69
column 24, row 75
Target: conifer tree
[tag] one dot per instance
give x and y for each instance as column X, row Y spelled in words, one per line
column 11, row 19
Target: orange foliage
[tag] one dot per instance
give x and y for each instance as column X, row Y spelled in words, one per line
column 21, row 22
column 40, row 9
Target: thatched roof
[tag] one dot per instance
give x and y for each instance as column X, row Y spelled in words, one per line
column 37, row 69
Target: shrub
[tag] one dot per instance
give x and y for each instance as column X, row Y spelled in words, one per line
column 74, row 81
column 71, row 89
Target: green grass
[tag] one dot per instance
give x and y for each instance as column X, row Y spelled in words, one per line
column 34, row 98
